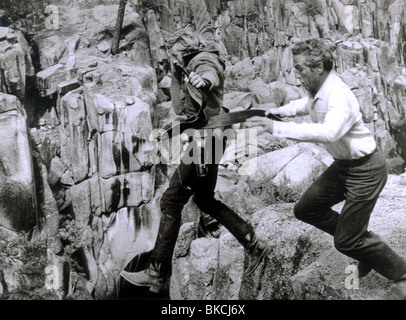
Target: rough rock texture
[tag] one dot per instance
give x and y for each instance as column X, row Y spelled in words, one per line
column 91, row 144
column 82, row 168
column 15, row 62
column 18, row 197
column 277, row 176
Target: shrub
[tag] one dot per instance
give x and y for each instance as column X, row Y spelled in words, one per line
column 76, row 236
column 28, row 259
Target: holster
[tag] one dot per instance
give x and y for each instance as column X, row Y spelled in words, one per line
column 202, row 170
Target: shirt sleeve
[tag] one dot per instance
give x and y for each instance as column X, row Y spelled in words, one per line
column 209, row 74
column 339, row 119
column 295, row 108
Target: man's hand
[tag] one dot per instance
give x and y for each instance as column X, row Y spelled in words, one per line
column 273, row 111
column 197, row 81
column 261, row 123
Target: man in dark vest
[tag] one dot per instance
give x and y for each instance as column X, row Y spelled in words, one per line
column 197, row 57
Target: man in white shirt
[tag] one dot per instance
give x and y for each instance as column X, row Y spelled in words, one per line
column 358, row 174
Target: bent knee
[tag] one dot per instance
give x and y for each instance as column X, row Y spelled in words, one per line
column 345, row 246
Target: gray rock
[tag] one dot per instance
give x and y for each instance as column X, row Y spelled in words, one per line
column 277, row 173
column 240, row 74
column 52, row 49
column 67, row 179
column 18, row 198
column 15, row 62
column 48, row 79
column 195, row 273
column 104, row 46
column 74, row 134
column 55, row 171
column 237, row 100
column 80, row 195
column 67, row 86
column 229, row 275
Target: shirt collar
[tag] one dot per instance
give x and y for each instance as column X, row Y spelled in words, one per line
column 326, row 86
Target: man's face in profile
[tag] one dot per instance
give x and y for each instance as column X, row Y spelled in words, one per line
column 309, row 77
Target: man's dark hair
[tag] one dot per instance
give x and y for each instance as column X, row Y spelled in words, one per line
column 316, row 51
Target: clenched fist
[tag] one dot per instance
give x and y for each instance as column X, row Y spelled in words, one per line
column 197, row 81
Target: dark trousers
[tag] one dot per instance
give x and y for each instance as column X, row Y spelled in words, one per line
column 184, row 183
column 359, row 183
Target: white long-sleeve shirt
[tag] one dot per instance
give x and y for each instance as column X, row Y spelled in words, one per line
column 337, row 121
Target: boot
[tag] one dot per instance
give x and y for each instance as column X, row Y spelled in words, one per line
column 256, row 250
column 363, row 270
column 398, row 290
column 152, row 277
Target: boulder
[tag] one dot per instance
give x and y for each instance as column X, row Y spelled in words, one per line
column 74, row 134
column 15, row 62
column 18, row 197
column 349, row 55
column 49, row 79
column 239, row 75
column 237, row 100
column 52, row 49
column 164, row 115
column 56, row 171
column 195, row 273
column 270, row 67
column 260, row 91
column 122, row 139
column 347, row 15
column 96, row 149
column 282, row 93
column 389, row 68
column 127, row 190
column 129, row 232
column 281, row 174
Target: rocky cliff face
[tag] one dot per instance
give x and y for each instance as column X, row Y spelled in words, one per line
column 90, row 118
column 77, row 122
